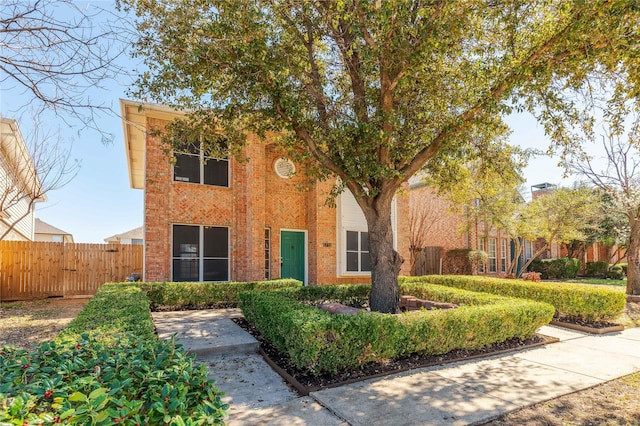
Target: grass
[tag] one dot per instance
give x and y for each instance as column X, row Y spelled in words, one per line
column 595, row 281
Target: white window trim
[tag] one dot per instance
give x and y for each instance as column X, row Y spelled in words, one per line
column 201, row 250
column 341, row 239
column 504, row 247
column 495, row 255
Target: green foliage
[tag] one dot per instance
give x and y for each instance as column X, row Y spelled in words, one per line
column 561, row 268
column 116, row 309
column 615, row 272
column 85, row 382
column 107, row 367
column 373, row 92
column 204, row 295
column 320, row 342
column 596, row 269
column 580, row 301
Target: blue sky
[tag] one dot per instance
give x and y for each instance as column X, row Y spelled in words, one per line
column 99, row 203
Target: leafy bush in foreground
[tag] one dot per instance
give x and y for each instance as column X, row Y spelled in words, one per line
column 581, row 301
column 86, row 382
column 107, row 367
column 320, row 342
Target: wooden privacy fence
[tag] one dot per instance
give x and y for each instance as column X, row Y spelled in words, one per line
column 428, row 261
column 33, row 270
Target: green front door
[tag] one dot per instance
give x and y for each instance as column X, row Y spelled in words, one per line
column 292, row 262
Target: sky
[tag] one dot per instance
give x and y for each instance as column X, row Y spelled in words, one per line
column 99, row 202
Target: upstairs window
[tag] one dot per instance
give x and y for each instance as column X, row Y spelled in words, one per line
column 191, row 165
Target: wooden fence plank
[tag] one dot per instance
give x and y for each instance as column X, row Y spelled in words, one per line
column 32, row 270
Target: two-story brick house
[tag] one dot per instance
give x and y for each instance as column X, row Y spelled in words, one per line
column 211, row 219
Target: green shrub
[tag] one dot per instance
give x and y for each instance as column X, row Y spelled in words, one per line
column 615, row 272
column 581, row 301
column 320, row 342
column 107, row 367
column 596, row 269
column 116, row 309
column 561, row 268
column 203, row 295
column 85, row 382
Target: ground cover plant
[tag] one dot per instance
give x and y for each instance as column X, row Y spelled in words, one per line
column 320, row 342
column 585, row 303
column 107, row 367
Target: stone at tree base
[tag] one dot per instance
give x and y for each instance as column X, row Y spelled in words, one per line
column 411, row 303
column 339, row 308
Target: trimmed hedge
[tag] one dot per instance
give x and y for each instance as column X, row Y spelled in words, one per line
column 108, row 367
column 580, row 301
column 320, row 342
column 596, row 269
column 561, row 268
column 203, row 295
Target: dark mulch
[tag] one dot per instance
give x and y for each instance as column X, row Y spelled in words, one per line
column 582, row 322
column 381, row 368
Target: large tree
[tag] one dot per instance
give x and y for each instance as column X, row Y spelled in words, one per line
column 372, row 92
column 619, row 180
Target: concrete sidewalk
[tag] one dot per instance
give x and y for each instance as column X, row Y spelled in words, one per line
column 470, row 392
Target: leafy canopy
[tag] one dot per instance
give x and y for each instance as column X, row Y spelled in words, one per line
column 375, row 90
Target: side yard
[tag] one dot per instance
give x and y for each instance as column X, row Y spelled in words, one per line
column 26, row 324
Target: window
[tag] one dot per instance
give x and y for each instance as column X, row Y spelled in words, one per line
column 193, row 166
column 503, row 255
column 200, row 253
column 137, row 241
column 492, row 254
column 57, row 238
column 482, row 246
column 358, row 259
column 267, row 253
column 528, row 250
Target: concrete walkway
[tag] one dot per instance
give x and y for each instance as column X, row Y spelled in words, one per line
column 470, row 392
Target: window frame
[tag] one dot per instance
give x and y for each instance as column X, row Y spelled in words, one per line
column 492, row 259
column 359, row 252
column 482, row 247
column 203, row 162
column 503, row 254
column 200, row 256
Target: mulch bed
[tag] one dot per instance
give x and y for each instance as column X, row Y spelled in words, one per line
column 305, row 382
column 595, row 327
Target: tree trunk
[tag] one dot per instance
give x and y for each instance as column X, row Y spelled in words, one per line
column 385, row 261
column 633, row 258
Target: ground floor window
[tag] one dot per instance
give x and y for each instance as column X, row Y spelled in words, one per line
column 503, row 255
column 482, row 246
column 358, row 259
column 200, row 253
column 491, row 251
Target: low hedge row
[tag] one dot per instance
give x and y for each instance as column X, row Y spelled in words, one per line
column 116, row 373
column 320, row 342
column 579, row 301
column 203, row 295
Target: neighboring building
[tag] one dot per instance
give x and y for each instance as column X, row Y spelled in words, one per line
column 20, row 188
column 46, row 232
column 450, row 229
column 134, row 236
column 221, row 219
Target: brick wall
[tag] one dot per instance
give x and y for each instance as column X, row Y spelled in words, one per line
column 257, row 198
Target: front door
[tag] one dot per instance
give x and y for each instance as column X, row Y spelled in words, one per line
column 292, row 262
